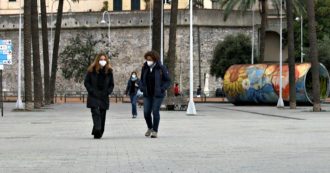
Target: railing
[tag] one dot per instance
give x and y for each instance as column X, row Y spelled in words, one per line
column 115, row 97
column 66, row 97
column 119, row 97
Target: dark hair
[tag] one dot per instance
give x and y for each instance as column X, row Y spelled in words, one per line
column 134, row 72
column 153, row 54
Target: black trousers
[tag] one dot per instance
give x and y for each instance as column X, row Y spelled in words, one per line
column 98, row 116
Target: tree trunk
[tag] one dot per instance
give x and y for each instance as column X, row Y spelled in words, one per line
column 264, row 14
column 37, row 79
column 56, row 47
column 45, row 51
column 314, row 55
column 156, row 25
column 27, row 56
column 292, row 80
column 172, row 43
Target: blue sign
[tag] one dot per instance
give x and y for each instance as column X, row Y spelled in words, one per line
column 6, row 52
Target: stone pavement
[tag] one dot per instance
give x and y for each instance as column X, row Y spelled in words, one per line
column 221, row 138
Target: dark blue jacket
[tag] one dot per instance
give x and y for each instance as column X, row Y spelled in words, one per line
column 162, row 80
column 130, row 85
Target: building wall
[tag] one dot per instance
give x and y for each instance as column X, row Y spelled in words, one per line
column 7, row 7
column 130, row 39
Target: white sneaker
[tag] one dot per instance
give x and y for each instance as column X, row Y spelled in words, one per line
column 148, row 133
column 153, row 134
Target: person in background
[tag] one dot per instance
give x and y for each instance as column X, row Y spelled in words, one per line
column 99, row 84
column 199, row 91
column 176, row 89
column 154, row 82
column 131, row 90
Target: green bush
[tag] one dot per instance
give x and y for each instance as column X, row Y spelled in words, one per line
column 80, row 53
column 234, row 49
column 323, row 46
column 324, row 52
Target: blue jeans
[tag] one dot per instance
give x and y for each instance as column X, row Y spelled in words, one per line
column 152, row 104
column 133, row 102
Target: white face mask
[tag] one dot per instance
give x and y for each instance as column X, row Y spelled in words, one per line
column 133, row 76
column 102, row 63
column 150, row 63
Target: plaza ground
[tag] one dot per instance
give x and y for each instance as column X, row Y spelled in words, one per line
column 220, row 138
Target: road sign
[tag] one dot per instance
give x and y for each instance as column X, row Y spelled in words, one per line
column 6, row 52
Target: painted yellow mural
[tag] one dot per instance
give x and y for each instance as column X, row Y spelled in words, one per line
column 12, row 7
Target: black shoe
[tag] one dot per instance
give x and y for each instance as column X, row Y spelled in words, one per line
column 97, row 137
column 97, row 134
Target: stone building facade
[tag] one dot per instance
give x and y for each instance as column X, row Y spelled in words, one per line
column 130, row 39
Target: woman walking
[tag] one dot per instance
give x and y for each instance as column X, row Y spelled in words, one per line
column 99, row 85
column 154, row 82
column 131, row 90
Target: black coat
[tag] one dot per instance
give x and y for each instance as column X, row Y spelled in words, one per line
column 97, row 98
column 130, row 84
column 162, row 80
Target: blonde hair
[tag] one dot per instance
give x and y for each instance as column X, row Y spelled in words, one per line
column 96, row 66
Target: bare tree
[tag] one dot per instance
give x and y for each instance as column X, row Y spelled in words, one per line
column 156, row 25
column 264, row 15
column 45, row 50
column 314, row 55
column 171, row 58
column 27, row 56
column 55, row 49
column 37, row 79
column 292, row 80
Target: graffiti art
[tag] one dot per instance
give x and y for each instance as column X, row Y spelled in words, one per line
column 260, row 83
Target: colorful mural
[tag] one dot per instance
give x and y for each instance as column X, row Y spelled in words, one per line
column 259, row 83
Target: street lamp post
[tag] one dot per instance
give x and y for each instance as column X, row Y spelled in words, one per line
column 301, row 38
column 104, row 22
column 19, row 104
column 191, row 106
column 280, row 103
